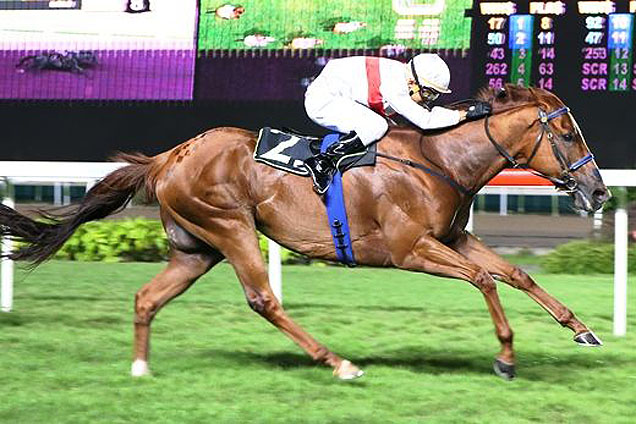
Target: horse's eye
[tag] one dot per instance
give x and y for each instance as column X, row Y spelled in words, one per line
column 568, row 136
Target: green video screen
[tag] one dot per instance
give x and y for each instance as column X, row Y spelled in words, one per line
column 334, row 24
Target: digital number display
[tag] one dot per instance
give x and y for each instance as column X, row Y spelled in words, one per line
column 580, row 50
column 520, row 41
column 533, row 43
column 607, row 53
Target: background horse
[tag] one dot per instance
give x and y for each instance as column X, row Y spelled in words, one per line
column 214, row 197
column 74, row 62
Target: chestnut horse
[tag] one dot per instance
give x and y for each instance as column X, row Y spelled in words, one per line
column 214, row 197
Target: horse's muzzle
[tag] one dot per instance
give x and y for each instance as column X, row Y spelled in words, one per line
column 590, row 200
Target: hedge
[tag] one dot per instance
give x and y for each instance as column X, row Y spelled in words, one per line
column 143, row 240
column 584, row 257
column 139, row 240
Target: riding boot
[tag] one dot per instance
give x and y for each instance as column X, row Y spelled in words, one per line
column 322, row 167
column 347, row 145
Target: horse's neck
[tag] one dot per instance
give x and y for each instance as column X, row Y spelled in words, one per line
column 467, row 156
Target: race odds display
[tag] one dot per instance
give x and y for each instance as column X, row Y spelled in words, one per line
column 572, row 46
column 580, row 50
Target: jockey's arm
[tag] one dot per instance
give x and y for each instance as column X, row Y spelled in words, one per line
column 437, row 117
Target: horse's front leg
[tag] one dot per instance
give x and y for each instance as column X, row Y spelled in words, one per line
column 431, row 256
column 472, row 248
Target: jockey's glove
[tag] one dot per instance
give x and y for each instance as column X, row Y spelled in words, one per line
column 478, row 110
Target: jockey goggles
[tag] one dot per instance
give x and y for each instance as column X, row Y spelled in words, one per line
column 426, row 93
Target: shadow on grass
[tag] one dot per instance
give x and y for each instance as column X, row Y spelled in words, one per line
column 345, row 307
column 534, row 366
column 435, row 364
column 13, row 320
column 287, row 360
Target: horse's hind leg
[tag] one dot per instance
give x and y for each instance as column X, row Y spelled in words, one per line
column 472, row 248
column 182, row 271
column 189, row 260
column 242, row 251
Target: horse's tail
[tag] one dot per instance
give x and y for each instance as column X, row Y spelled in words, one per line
column 40, row 239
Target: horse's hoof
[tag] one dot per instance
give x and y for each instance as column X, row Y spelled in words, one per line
column 588, row 339
column 504, row 369
column 139, row 368
column 347, row 371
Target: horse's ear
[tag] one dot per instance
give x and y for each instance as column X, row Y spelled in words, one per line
column 502, row 93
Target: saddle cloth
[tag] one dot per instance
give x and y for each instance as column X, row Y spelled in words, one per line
column 286, row 150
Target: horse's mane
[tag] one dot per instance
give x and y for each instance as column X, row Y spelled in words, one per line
column 509, row 96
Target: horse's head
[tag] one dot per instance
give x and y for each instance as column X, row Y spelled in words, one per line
column 552, row 145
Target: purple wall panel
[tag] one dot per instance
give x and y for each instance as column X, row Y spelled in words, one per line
column 272, row 78
column 254, row 78
column 120, row 75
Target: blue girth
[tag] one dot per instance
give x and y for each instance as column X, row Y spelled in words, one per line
column 336, row 213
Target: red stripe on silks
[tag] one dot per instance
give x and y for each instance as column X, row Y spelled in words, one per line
column 374, row 97
column 518, row 177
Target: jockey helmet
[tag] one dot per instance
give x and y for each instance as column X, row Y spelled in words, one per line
column 430, row 71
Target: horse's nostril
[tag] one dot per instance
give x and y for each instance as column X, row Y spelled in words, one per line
column 600, row 195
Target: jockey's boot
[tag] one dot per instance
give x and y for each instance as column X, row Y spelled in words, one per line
column 322, row 167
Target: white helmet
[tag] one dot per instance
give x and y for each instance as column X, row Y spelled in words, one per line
column 430, row 70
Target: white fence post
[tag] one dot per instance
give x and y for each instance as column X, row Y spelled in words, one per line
column 598, row 221
column 471, row 218
column 503, row 202
column 66, row 194
column 6, row 266
column 57, row 194
column 275, row 269
column 620, row 265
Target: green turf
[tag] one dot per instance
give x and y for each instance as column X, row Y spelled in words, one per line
column 425, row 343
column 286, row 19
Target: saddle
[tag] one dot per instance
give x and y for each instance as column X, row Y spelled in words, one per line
column 287, row 150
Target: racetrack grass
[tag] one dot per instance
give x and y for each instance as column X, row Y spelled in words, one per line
column 425, row 343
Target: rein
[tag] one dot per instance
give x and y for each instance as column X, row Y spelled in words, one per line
column 430, row 171
column 567, row 181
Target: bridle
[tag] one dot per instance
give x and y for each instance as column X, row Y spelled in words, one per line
column 566, row 182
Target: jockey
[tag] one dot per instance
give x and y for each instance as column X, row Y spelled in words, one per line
column 355, row 95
